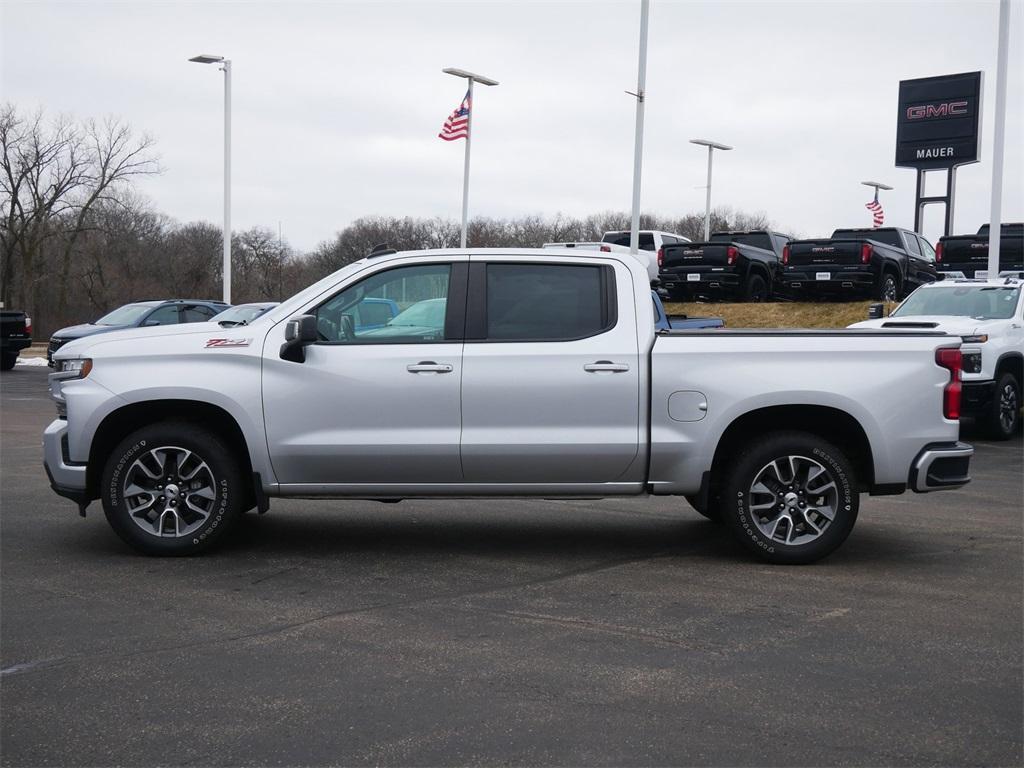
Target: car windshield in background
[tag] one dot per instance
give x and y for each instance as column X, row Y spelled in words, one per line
column 126, row 315
column 982, row 302
column 429, row 313
column 622, row 238
column 242, row 314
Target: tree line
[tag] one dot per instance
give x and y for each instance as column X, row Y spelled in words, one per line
column 77, row 240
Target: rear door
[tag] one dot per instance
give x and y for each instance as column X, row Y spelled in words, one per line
column 551, row 373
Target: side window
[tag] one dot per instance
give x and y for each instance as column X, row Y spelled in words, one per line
column 166, row 315
column 548, row 302
column 668, row 240
column 927, row 250
column 646, row 242
column 195, row 314
column 912, row 247
column 780, row 242
column 398, row 306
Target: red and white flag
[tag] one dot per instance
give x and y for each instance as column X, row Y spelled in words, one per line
column 457, row 124
column 876, row 210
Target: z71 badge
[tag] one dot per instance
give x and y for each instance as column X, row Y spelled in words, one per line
column 227, row 343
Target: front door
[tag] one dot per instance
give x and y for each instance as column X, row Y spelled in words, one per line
column 377, row 399
column 551, row 374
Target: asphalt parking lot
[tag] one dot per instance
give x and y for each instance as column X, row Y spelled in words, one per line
column 623, row 632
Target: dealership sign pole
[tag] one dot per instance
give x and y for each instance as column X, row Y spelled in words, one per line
column 937, row 129
column 996, row 215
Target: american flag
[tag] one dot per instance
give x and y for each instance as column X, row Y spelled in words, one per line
column 876, row 210
column 457, row 124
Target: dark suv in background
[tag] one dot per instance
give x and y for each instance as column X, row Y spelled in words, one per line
column 138, row 315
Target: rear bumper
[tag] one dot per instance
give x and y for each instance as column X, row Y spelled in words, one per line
column 709, row 283
column 66, row 479
column 941, row 466
column 805, row 281
column 15, row 344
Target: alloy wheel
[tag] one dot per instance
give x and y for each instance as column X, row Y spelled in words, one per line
column 169, row 491
column 793, row 500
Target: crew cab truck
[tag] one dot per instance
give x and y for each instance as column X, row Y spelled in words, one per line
column 967, row 255
column 885, row 264
column 15, row 335
column 543, row 376
column 988, row 315
column 739, row 265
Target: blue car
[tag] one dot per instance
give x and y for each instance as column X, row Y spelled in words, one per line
column 137, row 315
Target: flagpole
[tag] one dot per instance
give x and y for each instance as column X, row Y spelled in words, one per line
column 472, row 78
column 465, row 170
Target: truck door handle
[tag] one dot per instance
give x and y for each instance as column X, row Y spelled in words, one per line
column 429, row 366
column 605, row 366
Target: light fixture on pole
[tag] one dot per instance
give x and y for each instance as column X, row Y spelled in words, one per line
column 226, row 69
column 638, row 145
column 712, row 146
column 472, row 78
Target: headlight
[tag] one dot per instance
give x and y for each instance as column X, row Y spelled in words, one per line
column 74, row 369
column 972, row 362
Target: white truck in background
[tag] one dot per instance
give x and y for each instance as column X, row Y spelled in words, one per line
column 651, row 241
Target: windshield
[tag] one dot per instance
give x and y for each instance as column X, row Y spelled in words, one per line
column 129, row 314
column 429, row 313
column 981, row 302
column 241, row 314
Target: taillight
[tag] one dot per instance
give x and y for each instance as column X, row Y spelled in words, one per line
column 938, row 252
column 730, row 255
column 661, row 257
column 785, row 254
column 605, row 249
column 952, row 360
column 865, row 253
column 28, row 325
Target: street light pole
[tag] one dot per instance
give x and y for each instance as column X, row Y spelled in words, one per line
column 712, row 146
column 638, row 145
column 226, row 69
column 996, row 213
column 472, row 78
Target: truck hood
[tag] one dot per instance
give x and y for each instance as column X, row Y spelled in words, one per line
column 85, row 329
column 83, row 345
column 955, row 326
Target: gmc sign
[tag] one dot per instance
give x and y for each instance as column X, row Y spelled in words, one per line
column 937, row 123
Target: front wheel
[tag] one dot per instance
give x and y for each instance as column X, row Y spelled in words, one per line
column 172, row 489
column 1004, row 413
column 790, row 498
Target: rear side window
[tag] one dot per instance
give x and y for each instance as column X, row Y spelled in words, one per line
column 912, row 247
column 548, row 302
column 622, row 238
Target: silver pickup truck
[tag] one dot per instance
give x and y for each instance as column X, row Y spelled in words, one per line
column 505, row 373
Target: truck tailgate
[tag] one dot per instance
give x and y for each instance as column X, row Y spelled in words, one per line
column 830, row 252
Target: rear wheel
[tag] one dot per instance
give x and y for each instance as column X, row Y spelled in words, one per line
column 1004, row 413
column 8, row 360
column 172, row 489
column 756, row 289
column 888, row 287
column 790, row 498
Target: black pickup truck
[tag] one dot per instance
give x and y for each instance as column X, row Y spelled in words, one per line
column 885, row 264
column 743, row 265
column 15, row 335
column 967, row 255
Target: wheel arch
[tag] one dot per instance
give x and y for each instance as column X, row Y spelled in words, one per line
column 831, row 424
column 1011, row 362
column 120, row 423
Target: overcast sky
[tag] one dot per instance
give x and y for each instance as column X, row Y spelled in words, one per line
column 337, row 106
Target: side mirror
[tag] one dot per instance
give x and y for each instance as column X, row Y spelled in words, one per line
column 299, row 332
column 876, row 311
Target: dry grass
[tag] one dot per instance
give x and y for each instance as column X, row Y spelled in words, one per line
column 779, row 314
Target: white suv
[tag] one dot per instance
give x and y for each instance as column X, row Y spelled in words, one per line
column 987, row 315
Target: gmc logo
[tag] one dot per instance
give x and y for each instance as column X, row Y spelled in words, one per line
column 822, row 250
column 948, row 109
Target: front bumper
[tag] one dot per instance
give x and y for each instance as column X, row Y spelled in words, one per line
column 976, row 398
column 67, row 479
column 941, row 466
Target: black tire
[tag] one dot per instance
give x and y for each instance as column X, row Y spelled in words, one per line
column 756, row 289
column 8, row 360
column 222, row 479
column 1003, row 417
column 710, row 511
column 888, row 288
column 754, row 465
